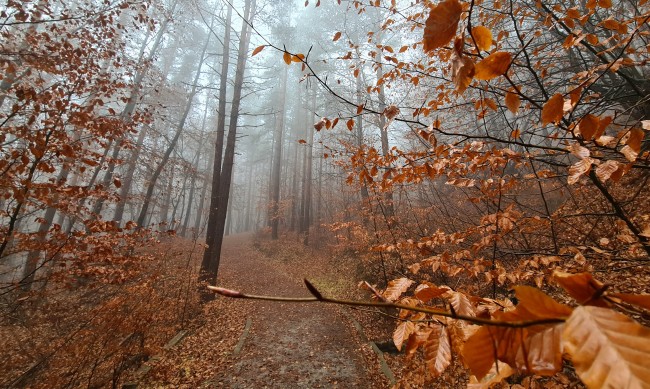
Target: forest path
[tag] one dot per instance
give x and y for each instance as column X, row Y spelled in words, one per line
column 288, row 345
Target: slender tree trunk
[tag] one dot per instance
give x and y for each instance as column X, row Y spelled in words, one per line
column 188, row 106
column 277, row 160
column 307, row 184
column 209, row 253
column 216, row 222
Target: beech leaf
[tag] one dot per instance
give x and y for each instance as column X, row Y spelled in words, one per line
column 552, row 111
column 258, row 50
column 607, row 349
column 513, row 102
column 396, row 288
column 492, row 66
column 461, row 303
column 583, row 287
column 287, row 58
column 483, row 37
column 402, row 333
column 605, row 170
column 426, row 292
column 437, row 350
column 589, row 126
column 441, row 25
column 337, row 36
column 640, row 300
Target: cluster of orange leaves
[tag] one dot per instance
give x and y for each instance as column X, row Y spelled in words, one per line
column 532, row 337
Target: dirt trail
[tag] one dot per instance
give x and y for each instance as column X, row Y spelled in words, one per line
column 289, row 345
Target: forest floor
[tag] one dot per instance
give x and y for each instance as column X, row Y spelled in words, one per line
column 258, row 344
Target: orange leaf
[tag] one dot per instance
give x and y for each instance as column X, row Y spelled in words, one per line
column 538, row 304
column 441, row 24
column 427, row 291
column 552, row 111
column 513, row 102
column 462, row 70
column 635, row 139
column 287, row 58
column 337, row 36
column 607, row 348
column 640, row 300
column 581, row 286
column 588, row 126
column 493, row 65
column 257, row 50
column 402, row 332
column 297, row 58
column 461, row 304
column 605, row 170
column 437, row 350
column 350, row 124
column 396, row 288
column 417, row 338
column 578, row 169
column 483, row 37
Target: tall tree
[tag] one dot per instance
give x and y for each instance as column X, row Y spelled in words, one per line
column 217, row 221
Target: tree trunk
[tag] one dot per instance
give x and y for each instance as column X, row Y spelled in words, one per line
column 209, row 254
column 217, row 221
column 277, row 160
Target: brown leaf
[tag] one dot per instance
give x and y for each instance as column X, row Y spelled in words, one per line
column 337, row 36
column 493, row 65
column 539, row 304
column 589, row 126
column 461, row 304
column 478, row 352
column 583, row 287
column 441, row 24
column 493, row 377
column 552, row 111
column 578, row 169
column 437, row 350
column 640, row 300
column 483, row 37
column 605, row 170
column 428, row 291
column 350, row 124
column 258, row 50
column 513, row 102
column 391, row 112
column 402, row 333
column 287, row 58
column 608, row 349
column 417, row 338
column 462, row 68
column 396, row 288
column 635, row 139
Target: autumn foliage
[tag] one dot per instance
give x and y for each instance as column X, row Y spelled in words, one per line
column 525, row 163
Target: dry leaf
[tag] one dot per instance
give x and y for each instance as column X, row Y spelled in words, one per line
column 608, row 349
column 552, row 111
column 402, row 333
column 483, row 37
column 513, row 102
column 441, row 24
column 493, row 66
column 437, row 350
column 605, row 170
column 396, row 288
column 583, row 287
